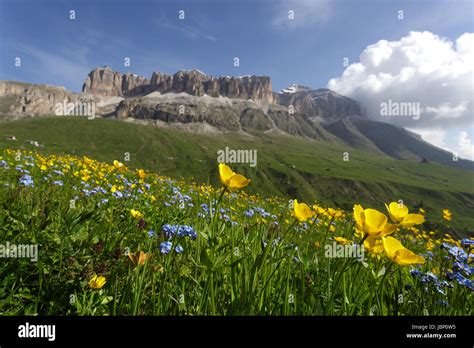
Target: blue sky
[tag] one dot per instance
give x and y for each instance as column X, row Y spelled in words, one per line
column 60, row 51
column 307, row 50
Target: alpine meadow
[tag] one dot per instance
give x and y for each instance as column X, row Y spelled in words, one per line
column 268, row 158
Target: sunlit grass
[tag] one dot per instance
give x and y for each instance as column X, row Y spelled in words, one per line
column 116, row 241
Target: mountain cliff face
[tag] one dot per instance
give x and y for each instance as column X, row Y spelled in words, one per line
column 105, row 82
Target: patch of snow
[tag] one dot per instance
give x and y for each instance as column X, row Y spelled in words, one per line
column 294, row 88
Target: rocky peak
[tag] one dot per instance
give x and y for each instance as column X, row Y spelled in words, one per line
column 320, row 103
column 107, row 82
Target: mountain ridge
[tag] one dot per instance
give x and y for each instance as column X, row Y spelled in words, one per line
column 195, row 101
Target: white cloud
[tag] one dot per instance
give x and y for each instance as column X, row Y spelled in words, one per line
column 433, row 136
column 465, row 145
column 419, row 68
column 305, row 12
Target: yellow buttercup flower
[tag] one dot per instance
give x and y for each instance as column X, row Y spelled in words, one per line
column 231, row 179
column 141, row 174
column 399, row 213
column 334, row 213
column 373, row 245
column 97, row 282
column 398, row 254
column 136, row 213
column 119, row 165
column 302, row 211
column 447, row 215
column 372, row 222
column 342, row 240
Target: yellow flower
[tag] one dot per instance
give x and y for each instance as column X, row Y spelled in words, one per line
column 97, row 282
column 447, row 215
column 399, row 213
column 373, row 245
column 398, row 254
column 139, row 258
column 302, row 211
column 342, row 240
column 119, row 166
column 334, row 213
column 141, row 174
column 136, row 213
column 372, row 222
column 231, row 179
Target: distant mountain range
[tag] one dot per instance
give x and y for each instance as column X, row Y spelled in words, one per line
column 194, row 101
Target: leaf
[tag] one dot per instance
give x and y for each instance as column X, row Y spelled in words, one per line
column 381, row 272
column 106, row 300
column 205, row 259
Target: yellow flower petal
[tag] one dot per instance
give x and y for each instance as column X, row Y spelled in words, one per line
column 225, row 173
column 413, row 219
column 374, row 221
column 389, row 229
column 398, row 254
column 238, row 181
column 359, row 216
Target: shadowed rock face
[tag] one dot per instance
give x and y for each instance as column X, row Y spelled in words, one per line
column 106, row 82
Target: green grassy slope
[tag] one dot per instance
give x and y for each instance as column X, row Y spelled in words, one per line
column 287, row 166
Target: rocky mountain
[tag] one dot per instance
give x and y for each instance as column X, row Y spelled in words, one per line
column 194, row 101
column 320, row 104
column 18, row 99
column 107, row 82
